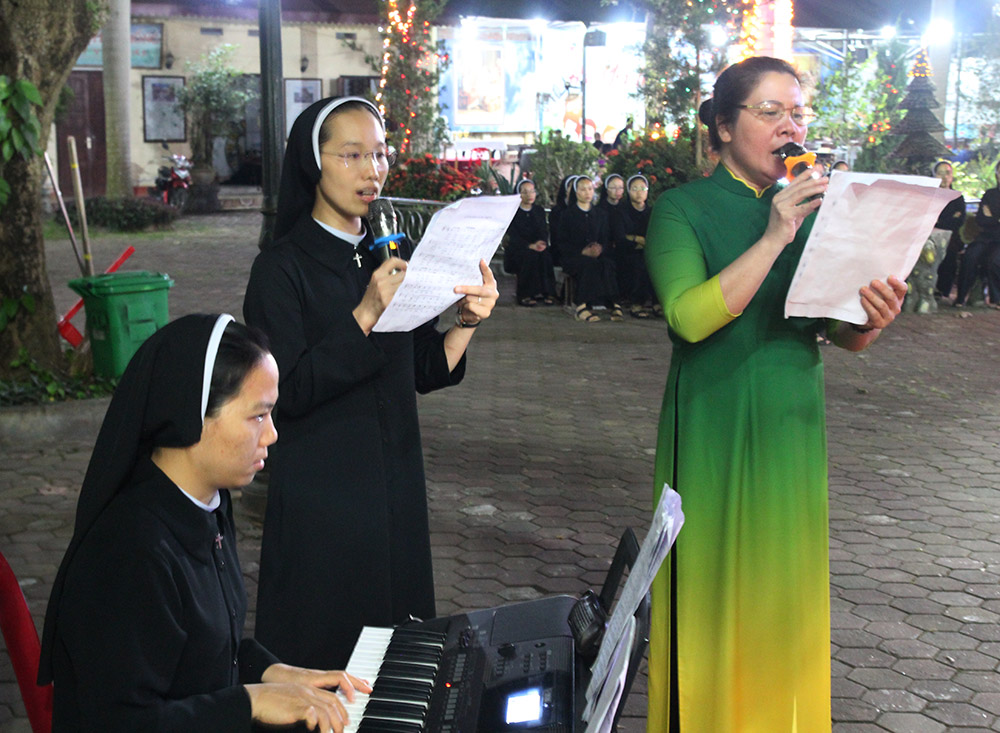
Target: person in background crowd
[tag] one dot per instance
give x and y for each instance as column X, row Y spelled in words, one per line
column 144, row 629
column 612, row 193
column 628, row 229
column 555, row 217
column 981, row 252
column 585, row 254
column 622, row 138
column 598, row 143
column 527, row 253
column 840, row 165
column 347, row 502
column 740, row 638
column 951, row 219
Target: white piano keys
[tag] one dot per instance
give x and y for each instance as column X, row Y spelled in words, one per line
column 366, row 662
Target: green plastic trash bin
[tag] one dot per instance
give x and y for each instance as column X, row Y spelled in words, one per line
column 123, row 310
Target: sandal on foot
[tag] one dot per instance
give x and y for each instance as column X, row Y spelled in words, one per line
column 616, row 313
column 549, row 300
column 527, row 302
column 586, row 315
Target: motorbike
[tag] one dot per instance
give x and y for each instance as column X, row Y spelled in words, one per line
column 174, row 180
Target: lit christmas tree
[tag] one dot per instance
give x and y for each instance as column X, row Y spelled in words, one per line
column 410, row 66
column 919, row 148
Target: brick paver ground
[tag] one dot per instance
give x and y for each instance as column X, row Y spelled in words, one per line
column 540, row 459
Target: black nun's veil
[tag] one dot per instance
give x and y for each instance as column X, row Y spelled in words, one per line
column 159, row 401
column 300, row 171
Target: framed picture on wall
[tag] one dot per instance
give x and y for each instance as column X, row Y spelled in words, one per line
column 299, row 94
column 162, row 117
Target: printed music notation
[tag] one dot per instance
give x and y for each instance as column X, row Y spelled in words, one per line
column 457, row 238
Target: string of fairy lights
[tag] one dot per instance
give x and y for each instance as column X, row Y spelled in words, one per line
column 400, row 32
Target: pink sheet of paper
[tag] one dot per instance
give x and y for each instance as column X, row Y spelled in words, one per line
column 869, row 227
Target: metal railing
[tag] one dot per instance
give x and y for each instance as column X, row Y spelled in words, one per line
column 413, row 215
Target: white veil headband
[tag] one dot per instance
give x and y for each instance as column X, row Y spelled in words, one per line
column 325, row 112
column 210, row 353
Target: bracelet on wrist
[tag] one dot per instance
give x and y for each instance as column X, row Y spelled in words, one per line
column 461, row 322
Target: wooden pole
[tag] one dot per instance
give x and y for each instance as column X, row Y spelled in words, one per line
column 65, row 215
column 81, row 207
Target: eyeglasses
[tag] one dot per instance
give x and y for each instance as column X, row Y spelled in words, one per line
column 775, row 112
column 383, row 159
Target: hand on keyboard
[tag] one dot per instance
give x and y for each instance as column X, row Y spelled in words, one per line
column 290, row 695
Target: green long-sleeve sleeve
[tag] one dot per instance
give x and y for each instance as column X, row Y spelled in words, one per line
column 692, row 301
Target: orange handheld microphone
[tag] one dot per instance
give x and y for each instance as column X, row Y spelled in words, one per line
column 796, row 158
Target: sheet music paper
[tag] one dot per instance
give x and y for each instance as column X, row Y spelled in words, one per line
column 869, row 227
column 457, row 237
column 611, row 696
column 667, row 522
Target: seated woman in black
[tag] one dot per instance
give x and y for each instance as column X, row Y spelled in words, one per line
column 612, row 193
column 980, row 254
column 586, row 255
column 950, row 219
column 555, row 217
column 527, row 253
column 628, row 229
column 145, row 623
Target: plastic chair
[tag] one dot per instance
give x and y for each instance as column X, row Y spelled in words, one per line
column 21, row 638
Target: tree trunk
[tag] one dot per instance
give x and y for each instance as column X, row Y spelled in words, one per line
column 40, row 41
column 116, row 39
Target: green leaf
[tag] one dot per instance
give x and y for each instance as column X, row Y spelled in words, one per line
column 9, row 307
column 28, row 301
column 5, row 125
column 29, row 90
column 3, row 325
column 7, row 150
column 18, row 139
column 22, row 106
column 31, row 141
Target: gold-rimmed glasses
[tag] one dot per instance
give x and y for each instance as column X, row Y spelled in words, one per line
column 772, row 111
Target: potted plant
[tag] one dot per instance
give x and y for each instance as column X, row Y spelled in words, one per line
column 214, row 99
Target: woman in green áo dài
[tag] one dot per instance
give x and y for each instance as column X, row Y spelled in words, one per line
column 741, row 611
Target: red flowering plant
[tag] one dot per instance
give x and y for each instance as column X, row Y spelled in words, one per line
column 425, row 177
column 665, row 162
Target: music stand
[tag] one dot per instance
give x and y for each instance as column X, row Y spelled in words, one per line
column 625, row 556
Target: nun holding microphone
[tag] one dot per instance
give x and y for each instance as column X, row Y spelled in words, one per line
column 143, row 630
column 346, row 538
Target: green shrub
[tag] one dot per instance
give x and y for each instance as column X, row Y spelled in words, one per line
column 555, row 157
column 37, row 385
column 125, row 214
column 665, row 163
column 974, row 176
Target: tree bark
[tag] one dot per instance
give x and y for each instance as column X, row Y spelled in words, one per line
column 116, row 37
column 40, row 41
